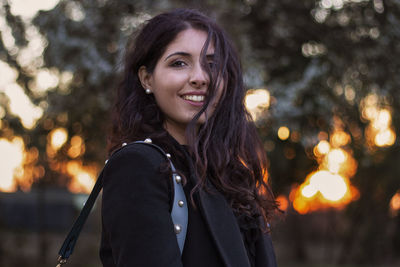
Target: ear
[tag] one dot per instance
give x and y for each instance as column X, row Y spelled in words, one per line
column 144, row 77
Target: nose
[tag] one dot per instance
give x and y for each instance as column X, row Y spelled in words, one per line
column 199, row 77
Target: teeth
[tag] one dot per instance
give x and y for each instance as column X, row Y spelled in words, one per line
column 195, row 98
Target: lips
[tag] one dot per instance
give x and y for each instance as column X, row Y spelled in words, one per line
column 194, row 98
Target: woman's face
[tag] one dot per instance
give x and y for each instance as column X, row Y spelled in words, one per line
column 179, row 83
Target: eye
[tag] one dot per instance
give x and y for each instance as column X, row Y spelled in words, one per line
column 178, row 63
column 211, row 64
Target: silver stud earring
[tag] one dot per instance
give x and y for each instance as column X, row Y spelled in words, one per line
column 148, row 91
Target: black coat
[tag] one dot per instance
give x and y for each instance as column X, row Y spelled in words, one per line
column 137, row 225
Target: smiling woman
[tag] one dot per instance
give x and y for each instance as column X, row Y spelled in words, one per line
column 182, row 89
column 179, row 82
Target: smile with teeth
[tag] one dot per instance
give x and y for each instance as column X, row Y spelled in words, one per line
column 194, row 98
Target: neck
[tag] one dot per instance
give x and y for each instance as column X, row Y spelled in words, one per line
column 178, row 132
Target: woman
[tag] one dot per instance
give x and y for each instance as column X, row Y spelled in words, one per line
column 182, row 87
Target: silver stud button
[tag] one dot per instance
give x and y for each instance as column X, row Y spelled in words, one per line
column 148, row 140
column 105, row 162
column 124, row 144
column 177, row 228
column 168, row 155
column 178, row 179
column 181, row 203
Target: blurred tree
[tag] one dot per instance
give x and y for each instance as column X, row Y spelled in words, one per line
column 320, row 60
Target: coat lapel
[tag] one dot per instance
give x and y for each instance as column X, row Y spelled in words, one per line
column 221, row 222
column 223, row 227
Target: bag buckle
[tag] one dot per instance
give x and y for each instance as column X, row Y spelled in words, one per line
column 61, row 261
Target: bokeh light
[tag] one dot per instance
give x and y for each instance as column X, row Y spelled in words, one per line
column 283, row 133
column 321, row 190
column 58, row 137
column 340, row 138
column 329, row 186
column 394, row 206
column 28, row 9
column 19, row 103
column 83, row 177
column 77, row 147
column 379, row 132
column 283, row 202
column 257, row 102
column 11, row 162
column 322, row 148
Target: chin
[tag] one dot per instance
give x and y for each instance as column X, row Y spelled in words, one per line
column 201, row 120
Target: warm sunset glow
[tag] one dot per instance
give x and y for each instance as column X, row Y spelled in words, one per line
column 283, row 133
column 58, row 137
column 321, row 190
column 46, row 79
column 77, row 147
column 28, row 9
column 322, row 148
column 394, row 206
column 386, row 137
column 329, row 186
column 257, row 101
column 11, row 163
column 332, row 186
column 379, row 132
column 19, row 103
column 282, row 202
column 257, row 98
column 335, row 158
column 21, row 106
column 340, row 138
column 309, row 191
column 383, row 120
column 370, row 113
column 83, row 177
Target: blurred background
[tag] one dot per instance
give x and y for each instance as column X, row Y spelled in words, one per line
column 324, row 91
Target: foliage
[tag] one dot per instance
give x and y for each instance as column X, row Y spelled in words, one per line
column 319, row 60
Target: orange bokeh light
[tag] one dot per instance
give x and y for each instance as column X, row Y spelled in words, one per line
column 83, row 177
column 283, row 132
column 11, row 163
column 282, row 202
column 379, row 132
column 329, row 185
column 322, row 190
column 394, row 206
column 340, row 138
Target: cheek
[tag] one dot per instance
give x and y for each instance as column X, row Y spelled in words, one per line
column 169, row 81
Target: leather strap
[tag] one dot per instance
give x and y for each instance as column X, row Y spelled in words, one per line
column 179, row 212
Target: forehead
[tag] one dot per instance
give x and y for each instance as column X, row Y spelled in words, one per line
column 191, row 41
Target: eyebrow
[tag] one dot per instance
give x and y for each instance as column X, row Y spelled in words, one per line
column 185, row 54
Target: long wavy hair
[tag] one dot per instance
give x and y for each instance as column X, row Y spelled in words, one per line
column 226, row 149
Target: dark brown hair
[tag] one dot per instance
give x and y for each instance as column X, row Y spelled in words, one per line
column 226, row 148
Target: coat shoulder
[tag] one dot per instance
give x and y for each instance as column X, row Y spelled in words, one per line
column 136, row 153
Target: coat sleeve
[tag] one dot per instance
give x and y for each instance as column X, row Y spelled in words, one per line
column 136, row 210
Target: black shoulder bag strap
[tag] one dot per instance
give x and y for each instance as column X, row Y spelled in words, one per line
column 179, row 212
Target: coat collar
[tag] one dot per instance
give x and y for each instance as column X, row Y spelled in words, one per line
column 224, row 228
column 220, row 220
